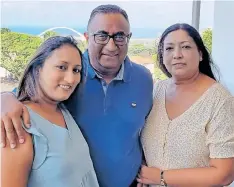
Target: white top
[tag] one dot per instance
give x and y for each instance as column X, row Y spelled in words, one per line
column 204, row 131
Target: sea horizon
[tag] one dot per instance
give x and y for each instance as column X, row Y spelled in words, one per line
column 137, row 33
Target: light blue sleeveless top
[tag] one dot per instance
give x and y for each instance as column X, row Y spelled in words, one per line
column 61, row 156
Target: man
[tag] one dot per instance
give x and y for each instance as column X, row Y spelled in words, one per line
column 111, row 104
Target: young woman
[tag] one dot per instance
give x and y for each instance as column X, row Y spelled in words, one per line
column 55, row 153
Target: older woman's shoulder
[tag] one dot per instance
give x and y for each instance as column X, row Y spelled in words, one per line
column 159, row 86
column 159, row 83
column 219, row 95
column 220, row 91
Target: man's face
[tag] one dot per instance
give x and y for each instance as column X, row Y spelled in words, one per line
column 107, row 58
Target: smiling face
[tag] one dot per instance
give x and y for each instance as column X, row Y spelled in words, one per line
column 180, row 54
column 107, row 58
column 60, row 73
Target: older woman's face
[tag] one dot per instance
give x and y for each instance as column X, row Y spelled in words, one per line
column 180, row 54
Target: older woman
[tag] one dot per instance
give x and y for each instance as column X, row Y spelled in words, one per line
column 188, row 139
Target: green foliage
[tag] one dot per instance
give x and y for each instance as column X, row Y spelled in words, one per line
column 4, row 30
column 82, row 45
column 141, row 50
column 16, row 51
column 158, row 74
column 136, row 49
column 49, row 34
column 207, row 39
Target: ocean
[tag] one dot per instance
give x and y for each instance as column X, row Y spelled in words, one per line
column 136, row 32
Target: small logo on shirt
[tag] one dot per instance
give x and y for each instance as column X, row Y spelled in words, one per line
column 134, row 105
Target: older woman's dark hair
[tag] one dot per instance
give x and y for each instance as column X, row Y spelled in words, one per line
column 28, row 87
column 205, row 66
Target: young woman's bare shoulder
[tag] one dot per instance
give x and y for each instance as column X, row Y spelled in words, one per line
column 16, row 163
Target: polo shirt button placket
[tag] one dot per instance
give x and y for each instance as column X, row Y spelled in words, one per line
column 107, row 99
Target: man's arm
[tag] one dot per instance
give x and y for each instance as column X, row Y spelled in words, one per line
column 16, row 164
column 12, row 112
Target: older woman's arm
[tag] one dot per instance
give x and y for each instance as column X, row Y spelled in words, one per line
column 220, row 173
column 220, row 141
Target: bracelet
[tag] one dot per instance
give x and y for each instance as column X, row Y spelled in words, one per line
column 162, row 181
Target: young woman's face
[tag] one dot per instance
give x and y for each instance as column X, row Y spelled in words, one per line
column 60, row 73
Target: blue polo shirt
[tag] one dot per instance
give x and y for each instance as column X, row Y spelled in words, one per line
column 111, row 122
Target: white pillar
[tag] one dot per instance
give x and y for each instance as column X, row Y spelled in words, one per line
column 223, row 41
column 196, row 14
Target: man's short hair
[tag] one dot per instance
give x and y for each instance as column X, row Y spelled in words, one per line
column 107, row 9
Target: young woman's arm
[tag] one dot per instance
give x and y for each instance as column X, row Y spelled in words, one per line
column 16, row 164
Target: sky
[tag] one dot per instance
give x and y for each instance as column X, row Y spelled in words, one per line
column 74, row 13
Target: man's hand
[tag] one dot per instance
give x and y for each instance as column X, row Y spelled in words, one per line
column 11, row 126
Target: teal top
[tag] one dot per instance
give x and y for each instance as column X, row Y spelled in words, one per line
column 61, row 156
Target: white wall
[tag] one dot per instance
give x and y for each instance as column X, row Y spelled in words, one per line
column 223, row 41
column 5, row 73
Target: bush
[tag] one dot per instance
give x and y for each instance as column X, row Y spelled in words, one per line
column 207, row 39
column 16, row 51
column 158, row 74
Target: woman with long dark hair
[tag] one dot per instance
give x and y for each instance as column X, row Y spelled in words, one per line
column 188, row 139
column 55, row 152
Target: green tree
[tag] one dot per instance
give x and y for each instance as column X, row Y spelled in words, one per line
column 49, row 34
column 5, row 30
column 207, row 38
column 82, row 45
column 158, row 74
column 135, row 49
column 17, row 50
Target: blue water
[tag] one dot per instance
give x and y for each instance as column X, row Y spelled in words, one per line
column 137, row 32
column 38, row 30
